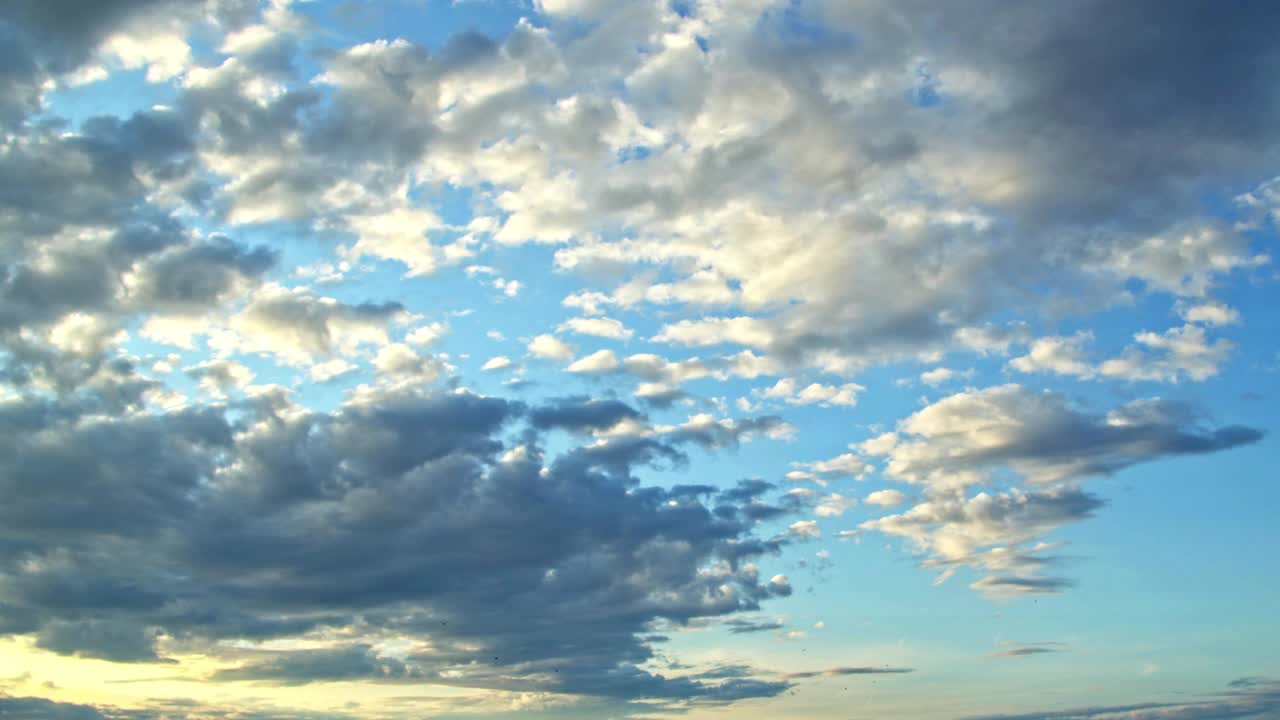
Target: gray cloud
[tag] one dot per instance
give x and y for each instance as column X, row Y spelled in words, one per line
column 1250, row 701
column 1017, row 649
column 578, row 414
column 843, row 671
column 742, row 626
column 103, row 639
column 523, row 574
column 299, row 667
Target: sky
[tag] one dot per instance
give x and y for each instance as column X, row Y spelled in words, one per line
column 652, row 359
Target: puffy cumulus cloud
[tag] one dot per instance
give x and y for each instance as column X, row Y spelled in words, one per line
column 399, row 234
column 498, row 362
column 580, row 414
column 1178, row 353
column 826, row 234
column 885, row 498
column 1185, row 261
column 217, row 377
column 93, row 243
column 649, row 183
column 793, row 393
column 600, row 361
column 841, row 466
column 942, row 375
column 988, row 531
column 426, row 335
column 659, row 394
column 597, row 326
column 655, row 368
column 1060, row 355
column 972, row 438
column 705, row 430
column 805, row 529
column 300, row 327
column 59, row 42
column 1182, row 352
column 398, row 368
column 957, row 440
column 1209, row 313
column 550, row 347
column 834, row 505
column 501, row 568
column 715, row 331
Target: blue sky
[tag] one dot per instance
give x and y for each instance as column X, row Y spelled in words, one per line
column 572, row 358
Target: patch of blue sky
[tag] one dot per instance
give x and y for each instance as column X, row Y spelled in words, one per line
column 121, row 94
column 793, row 28
column 927, row 91
column 430, row 23
column 632, row 153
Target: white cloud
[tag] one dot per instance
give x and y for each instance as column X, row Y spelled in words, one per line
column 1060, row 355
column 599, row 361
column 846, row 465
column 510, row 288
column 398, row 234
column 807, row 529
column 1209, row 313
column 330, row 369
column 597, row 326
column 941, row 375
column 1181, row 352
column 426, row 334
column 885, row 498
column 550, row 347
column 499, row 362
column 1019, row 436
column 835, row 505
column 714, row 331
column 790, row 391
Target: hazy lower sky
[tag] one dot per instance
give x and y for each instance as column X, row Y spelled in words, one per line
column 818, row 359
